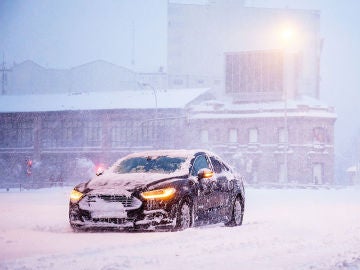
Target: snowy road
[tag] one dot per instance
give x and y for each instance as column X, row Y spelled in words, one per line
column 283, row 229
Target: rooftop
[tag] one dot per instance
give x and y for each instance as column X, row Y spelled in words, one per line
column 139, row 99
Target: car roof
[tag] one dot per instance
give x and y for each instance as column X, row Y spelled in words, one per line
column 186, row 153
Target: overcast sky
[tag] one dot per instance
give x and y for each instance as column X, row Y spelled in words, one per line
column 67, row 33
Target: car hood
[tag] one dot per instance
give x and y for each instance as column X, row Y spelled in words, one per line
column 114, row 182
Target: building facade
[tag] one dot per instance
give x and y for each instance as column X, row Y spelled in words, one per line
column 65, row 137
column 67, row 145
column 262, row 112
column 266, row 145
column 203, row 37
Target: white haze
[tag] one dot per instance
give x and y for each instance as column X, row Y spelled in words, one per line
column 132, row 33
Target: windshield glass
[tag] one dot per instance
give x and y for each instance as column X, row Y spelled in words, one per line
column 159, row 164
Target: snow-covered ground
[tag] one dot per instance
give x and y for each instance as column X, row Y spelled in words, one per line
column 283, row 229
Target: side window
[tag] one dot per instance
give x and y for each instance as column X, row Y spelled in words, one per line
column 225, row 167
column 199, row 163
column 216, row 165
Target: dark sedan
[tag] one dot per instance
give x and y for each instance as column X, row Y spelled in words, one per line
column 164, row 189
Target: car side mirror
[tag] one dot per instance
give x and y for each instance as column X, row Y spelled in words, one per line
column 205, row 173
column 99, row 171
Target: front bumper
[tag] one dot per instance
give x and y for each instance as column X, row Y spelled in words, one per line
column 145, row 217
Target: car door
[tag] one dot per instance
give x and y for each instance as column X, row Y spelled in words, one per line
column 205, row 192
column 222, row 193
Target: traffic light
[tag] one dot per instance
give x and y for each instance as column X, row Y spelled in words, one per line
column 28, row 167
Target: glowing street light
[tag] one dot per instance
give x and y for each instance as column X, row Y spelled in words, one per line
column 287, row 34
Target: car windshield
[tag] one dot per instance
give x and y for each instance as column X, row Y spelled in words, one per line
column 159, row 164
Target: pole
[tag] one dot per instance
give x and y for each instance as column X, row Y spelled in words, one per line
column 3, row 76
column 155, row 96
column 156, row 112
column 286, row 137
column 286, row 145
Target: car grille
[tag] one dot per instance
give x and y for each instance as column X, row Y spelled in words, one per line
column 127, row 202
column 110, row 220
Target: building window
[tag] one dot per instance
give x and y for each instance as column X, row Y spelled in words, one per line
column 3, row 134
column 17, row 134
column 282, row 136
column 93, row 133
column 50, row 133
column 217, row 136
column 148, row 133
column 233, row 135
column 282, row 173
column 73, row 132
column 253, row 135
column 320, row 136
column 254, row 72
column 178, row 82
column 204, row 136
column 122, row 133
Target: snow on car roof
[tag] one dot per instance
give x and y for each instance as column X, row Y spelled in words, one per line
column 186, row 153
column 128, row 181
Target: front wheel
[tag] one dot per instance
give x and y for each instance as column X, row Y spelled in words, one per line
column 237, row 214
column 184, row 218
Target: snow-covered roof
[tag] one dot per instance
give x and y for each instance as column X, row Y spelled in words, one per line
column 136, row 99
column 226, row 109
column 352, row 169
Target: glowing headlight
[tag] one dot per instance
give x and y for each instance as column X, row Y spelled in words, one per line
column 75, row 196
column 164, row 193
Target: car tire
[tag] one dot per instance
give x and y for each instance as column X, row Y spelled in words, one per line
column 237, row 213
column 184, row 219
column 76, row 228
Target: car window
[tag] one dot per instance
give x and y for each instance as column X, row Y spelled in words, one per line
column 218, row 167
column 200, row 162
column 225, row 167
column 160, row 164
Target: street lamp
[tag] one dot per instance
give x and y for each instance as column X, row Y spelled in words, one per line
column 287, row 36
column 156, row 110
column 155, row 96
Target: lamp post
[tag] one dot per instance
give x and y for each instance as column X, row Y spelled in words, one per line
column 156, row 112
column 155, row 96
column 287, row 36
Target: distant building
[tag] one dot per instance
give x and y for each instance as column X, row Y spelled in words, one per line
column 353, row 174
column 261, row 111
column 98, row 76
column 254, row 138
column 60, row 133
column 250, row 53
column 263, row 67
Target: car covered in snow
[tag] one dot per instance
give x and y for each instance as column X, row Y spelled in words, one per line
column 162, row 189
